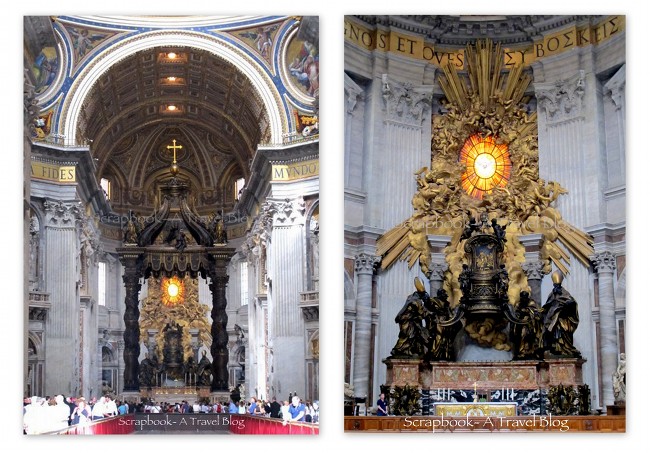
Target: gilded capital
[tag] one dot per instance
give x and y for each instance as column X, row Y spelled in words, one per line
column 604, row 262
column 366, row 264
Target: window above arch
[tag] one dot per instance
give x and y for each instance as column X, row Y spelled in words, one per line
column 105, row 184
column 239, row 187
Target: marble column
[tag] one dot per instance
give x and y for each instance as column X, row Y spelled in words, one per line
column 219, row 347
column 119, row 385
column 533, row 267
column 131, row 279
column 62, row 275
column 437, row 277
column 605, row 265
column 534, row 274
column 439, row 266
column 365, row 266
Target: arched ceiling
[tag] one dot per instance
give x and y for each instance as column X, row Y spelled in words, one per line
column 218, row 118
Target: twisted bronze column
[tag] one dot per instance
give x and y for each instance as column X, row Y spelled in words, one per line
column 132, row 286
column 219, row 348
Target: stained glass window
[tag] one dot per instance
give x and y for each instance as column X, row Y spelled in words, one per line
column 487, row 165
column 172, row 291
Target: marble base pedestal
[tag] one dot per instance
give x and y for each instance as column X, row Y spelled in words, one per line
column 616, row 409
column 518, row 374
column 401, row 372
column 567, row 372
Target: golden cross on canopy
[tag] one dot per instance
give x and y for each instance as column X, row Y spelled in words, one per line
column 174, row 147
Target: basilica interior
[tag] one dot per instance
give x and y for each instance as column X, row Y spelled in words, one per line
column 485, row 220
column 171, row 213
column 171, row 207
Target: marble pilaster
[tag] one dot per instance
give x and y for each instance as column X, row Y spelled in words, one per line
column 568, row 121
column 287, row 276
column 62, row 272
column 615, row 93
column 406, row 121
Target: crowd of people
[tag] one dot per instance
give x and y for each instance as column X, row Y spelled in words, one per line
column 51, row 414
column 294, row 411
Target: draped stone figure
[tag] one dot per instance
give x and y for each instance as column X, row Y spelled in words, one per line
column 618, row 380
column 560, row 321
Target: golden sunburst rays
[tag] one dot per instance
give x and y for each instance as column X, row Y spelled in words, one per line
column 484, row 158
column 173, row 291
column 487, row 165
column 485, row 78
column 188, row 311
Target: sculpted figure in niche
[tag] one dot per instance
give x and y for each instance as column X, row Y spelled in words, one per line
column 130, row 232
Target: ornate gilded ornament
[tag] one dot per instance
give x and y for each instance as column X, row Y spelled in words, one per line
column 484, row 158
column 160, row 308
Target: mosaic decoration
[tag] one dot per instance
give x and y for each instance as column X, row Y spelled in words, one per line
column 260, row 38
column 44, row 69
column 303, row 66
